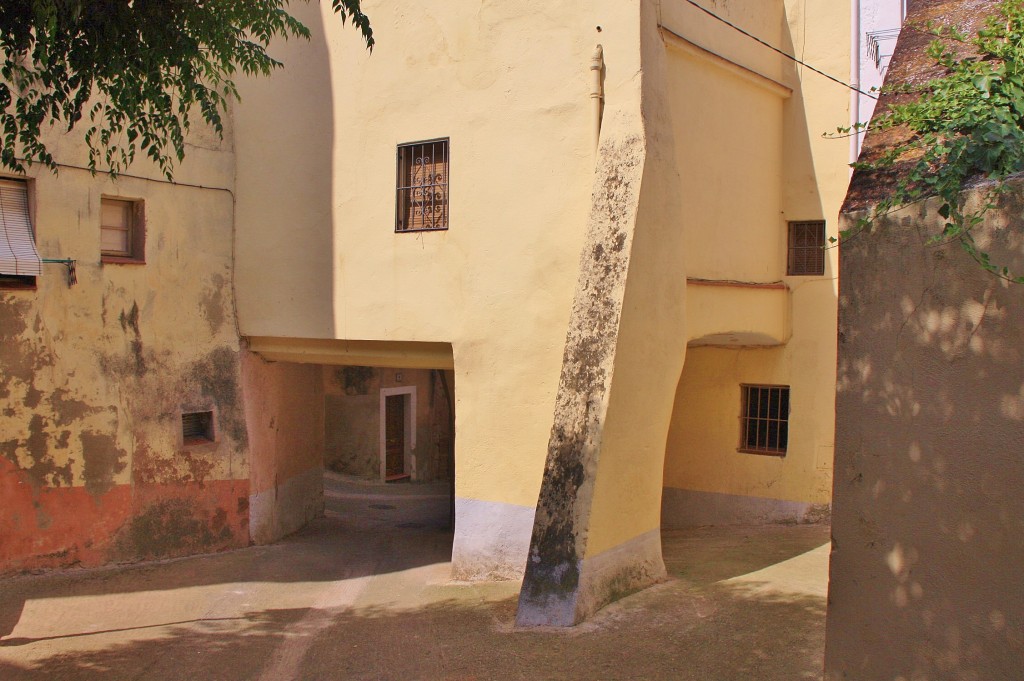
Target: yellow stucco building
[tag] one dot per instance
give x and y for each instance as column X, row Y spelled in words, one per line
column 592, row 231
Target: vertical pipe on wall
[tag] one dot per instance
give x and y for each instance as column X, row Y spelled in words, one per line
column 597, row 92
column 855, row 134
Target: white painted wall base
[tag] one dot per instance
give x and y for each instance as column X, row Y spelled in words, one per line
column 492, row 540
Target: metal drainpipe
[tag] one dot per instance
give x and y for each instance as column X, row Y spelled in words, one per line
column 597, row 92
column 855, row 80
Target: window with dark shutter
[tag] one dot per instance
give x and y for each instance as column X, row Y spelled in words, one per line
column 806, row 248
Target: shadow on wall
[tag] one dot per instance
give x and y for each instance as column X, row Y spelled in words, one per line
column 929, row 517
column 285, row 176
column 801, row 195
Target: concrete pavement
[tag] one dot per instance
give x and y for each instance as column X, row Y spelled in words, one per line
column 364, row 594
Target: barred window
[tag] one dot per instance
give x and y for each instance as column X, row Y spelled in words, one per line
column 806, row 248
column 423, row 169
column 764, row 419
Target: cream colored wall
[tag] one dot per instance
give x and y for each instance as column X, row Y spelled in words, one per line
column 751, row 160
column 316, row 189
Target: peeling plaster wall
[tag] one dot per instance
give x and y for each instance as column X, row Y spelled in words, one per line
column 928, row 517
column 94, row 378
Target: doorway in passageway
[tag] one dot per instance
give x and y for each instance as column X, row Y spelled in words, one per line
column 389, row 456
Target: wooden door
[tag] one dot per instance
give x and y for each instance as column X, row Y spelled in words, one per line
column 394, row 435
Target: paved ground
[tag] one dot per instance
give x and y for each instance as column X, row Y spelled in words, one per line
column 363, row 594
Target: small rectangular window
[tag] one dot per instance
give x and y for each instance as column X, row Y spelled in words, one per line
column 806, row 248
column 197, row 427
column 764, row 419
column 20, row 263
column 423, row 169
column 122, row 230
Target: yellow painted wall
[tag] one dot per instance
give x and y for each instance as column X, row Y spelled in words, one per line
column 508, row 83
column 705, row 430
column 498, row 284
column 729, row 151
column 652, row 330
column 752, row 160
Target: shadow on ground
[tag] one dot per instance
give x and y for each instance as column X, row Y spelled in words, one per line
column 670, row 632
column 363, row 594
column 727, row 552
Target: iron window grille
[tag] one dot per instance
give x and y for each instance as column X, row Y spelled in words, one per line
column 806, row 248
column 423, row 171
column 764, row 419
column 197, row 427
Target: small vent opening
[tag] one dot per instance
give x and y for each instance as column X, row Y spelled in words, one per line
column 197, row 427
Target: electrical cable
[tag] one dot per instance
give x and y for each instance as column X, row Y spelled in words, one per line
column 775, row 49
column 115, row 175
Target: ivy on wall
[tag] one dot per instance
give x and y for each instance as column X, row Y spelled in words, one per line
column 966, row 125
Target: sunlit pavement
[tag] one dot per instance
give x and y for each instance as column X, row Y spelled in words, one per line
column 364, row 594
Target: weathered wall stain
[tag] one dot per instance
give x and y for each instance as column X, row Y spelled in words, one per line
column 94, row 379
column 355, row 380
column 103, row 461
column 169, row 527
column 557, row 549
column 217, row 377
column 149, row 468
column 212, row 303
column 68, row 410
column 19, row 356
column 130, row 323
column 40, row 468
column 130, row 319
column 32, row 397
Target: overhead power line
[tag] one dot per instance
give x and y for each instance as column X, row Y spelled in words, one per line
column 775, row 49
